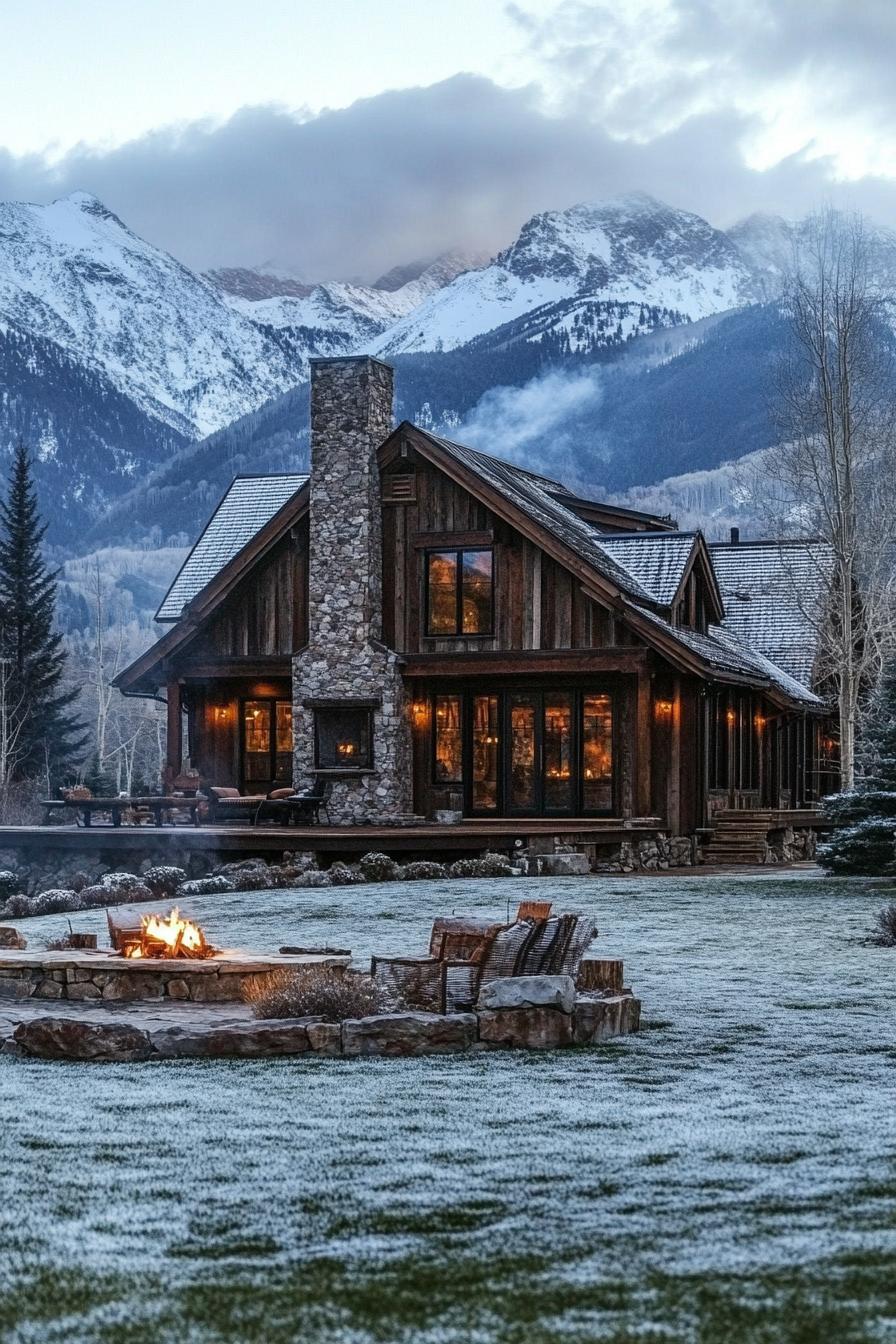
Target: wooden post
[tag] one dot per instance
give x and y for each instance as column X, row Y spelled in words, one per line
column 673, row 795
column 175, row 745
column 643, row 763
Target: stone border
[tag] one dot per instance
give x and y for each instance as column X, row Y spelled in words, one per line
column 592, row 1021
column 105, row 977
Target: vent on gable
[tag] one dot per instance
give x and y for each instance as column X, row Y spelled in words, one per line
column 400, row 487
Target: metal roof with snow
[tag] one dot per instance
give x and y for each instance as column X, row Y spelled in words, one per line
column 250, row 503
column 540, row 499
column 774, row 593
column 657, row 560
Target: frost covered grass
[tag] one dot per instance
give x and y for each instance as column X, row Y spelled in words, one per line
column 730, row 1175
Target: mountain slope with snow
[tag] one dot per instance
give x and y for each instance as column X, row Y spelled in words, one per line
column 167, row 338
column 615, row 259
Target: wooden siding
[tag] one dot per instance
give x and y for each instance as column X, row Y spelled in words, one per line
column 268, row 612
column 538, row 603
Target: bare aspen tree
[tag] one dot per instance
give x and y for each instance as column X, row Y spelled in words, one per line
column 832, row 476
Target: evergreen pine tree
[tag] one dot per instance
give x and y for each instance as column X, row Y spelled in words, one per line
column 863, row 840
column 44, row 730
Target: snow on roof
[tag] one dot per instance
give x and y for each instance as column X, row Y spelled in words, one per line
column 773, row 592
column 250, row 502
column 656, row 559
column 723, row 650
column 538, row 498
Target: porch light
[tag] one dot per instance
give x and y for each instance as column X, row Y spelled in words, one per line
column 418, row 709
column 760, row 722
column 730, row 717
column 662, row 708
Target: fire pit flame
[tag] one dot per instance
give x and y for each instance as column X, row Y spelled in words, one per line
column 170, row 936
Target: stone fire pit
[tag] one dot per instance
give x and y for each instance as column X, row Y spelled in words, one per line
column 108, row 977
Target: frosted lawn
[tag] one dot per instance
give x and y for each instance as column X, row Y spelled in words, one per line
column 727, row 1176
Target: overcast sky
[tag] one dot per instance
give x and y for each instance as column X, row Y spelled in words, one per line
column 337, row 138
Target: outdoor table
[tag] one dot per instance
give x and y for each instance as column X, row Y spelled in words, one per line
column 158, row 806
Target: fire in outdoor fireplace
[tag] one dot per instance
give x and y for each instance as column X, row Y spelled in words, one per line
column 169, row 936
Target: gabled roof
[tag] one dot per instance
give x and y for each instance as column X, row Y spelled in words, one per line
column 250, row 503
column 540, row 499
column 658, row 560
column 773, row 593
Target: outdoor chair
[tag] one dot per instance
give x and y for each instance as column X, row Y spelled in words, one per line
column 227, row 804
column 465, row 954
column 297, row 808
column 553, row 946
column 420, row 980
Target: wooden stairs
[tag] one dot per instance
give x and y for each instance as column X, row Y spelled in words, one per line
column 740, row 837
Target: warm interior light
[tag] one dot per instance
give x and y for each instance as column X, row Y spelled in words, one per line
column 345, row 748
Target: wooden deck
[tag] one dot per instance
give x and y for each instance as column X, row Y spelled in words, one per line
column 469, row 837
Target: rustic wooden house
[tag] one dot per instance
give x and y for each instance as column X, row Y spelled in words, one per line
column 429, row 627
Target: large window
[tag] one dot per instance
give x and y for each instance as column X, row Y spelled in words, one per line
column 526, row 752
column 459, row 593
column 448, row 740
column 267, row 742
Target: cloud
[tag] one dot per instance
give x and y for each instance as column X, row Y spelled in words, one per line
column 673, row 99
column 811, row 76
column 544, row 421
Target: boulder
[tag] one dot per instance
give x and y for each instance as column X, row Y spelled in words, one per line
column 127, row 986
column 597, row 1020
column 563, row 865
column 12, row 938
column 325, row 1038
column 244, row 1040
column 526, row 1028
column 409, row 1034
column 16, row 986
column 529, row 991
column 71, row 1038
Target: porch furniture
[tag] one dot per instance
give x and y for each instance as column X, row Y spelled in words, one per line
column 159, row 808
column 296, row 809
column 227, row 804
column 466, row 953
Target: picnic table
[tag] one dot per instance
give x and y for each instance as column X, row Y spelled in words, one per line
column 84, row 808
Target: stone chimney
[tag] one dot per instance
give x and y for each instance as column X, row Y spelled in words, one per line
column 350, row 723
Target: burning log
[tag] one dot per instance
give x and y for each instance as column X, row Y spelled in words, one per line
column 161, row 936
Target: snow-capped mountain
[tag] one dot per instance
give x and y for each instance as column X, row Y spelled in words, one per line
column 334, row 317
column 72, row 272
column 596, row 273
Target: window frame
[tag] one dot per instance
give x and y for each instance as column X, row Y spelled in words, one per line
column 458, row 633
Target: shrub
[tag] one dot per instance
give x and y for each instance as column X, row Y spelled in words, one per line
column 55, row 900
column 865, row 848
column 247, row 875
column 345, row 875
column 112, row 891
column 424, row 870
column 378, row 868
column 164, row 881
column 464, row 868
column 10, row 884
column 489, row 865
column 206, row 886
column 17, row 906
column 494, row 865
column 884, row 932
column 325, row 992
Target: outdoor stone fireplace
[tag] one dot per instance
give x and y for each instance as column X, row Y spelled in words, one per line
column 350, row 719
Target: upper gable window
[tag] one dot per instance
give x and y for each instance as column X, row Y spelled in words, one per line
column 459, row 593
